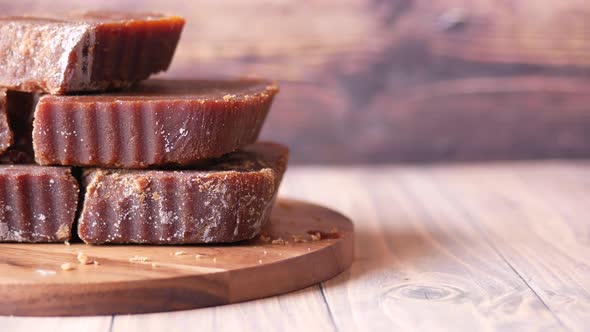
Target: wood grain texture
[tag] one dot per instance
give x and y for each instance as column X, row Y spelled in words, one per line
column 304, row 310
column 476, row 247
column 548, row 232
column 90, row 324
column 420, row 265
column 396, row 80
column 184, row 277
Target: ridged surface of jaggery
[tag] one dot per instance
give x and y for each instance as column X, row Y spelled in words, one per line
column 157, row 123
column 90, row 51
column 227, row 200
column 37, row 204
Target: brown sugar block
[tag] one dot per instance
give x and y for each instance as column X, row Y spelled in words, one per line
column 37, row 204
column 90, row 51
column 6, row 136
column 157, row 123
column 226, row 200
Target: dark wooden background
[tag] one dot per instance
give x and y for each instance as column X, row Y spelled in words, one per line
column 399, row 80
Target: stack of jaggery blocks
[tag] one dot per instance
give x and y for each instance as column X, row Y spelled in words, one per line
column 86, row 137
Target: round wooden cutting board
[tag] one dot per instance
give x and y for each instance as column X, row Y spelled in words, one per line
column 305, row 244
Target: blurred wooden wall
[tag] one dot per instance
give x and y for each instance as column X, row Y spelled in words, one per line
column 398, row 80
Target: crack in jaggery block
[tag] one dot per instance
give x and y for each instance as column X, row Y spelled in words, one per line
column 16, row 126
column 6, row 135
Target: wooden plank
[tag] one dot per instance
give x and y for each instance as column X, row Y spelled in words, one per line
column 420, row 265
column 56, row 324
column 536, row 218
column 463, row 119
column 396, row 80
column 304, row 310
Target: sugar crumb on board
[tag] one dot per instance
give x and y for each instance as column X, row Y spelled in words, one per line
column 139, row 259
column 316, row 235
column 180, row 253
column 67, row 267
column 67, row 243
column 298, row 238
column 312, row 235
column 83, row 258
column 279, row 241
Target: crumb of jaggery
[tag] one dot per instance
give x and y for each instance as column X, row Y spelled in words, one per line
column 298, row 238
column 197, row 256
column 96, row 263
column 67, row 267
column 67, row 243
column 83, row 258
column 316, row 236
column 264, row 238
column 141, row 184
column 279, row 241
column 138, row 259
column 155, row 265
column 334, row 233
column 180, row 253
column 63, row 231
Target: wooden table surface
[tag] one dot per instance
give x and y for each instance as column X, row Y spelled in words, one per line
column 496, row 246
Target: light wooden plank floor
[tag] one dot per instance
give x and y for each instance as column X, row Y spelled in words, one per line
column 497, row 246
